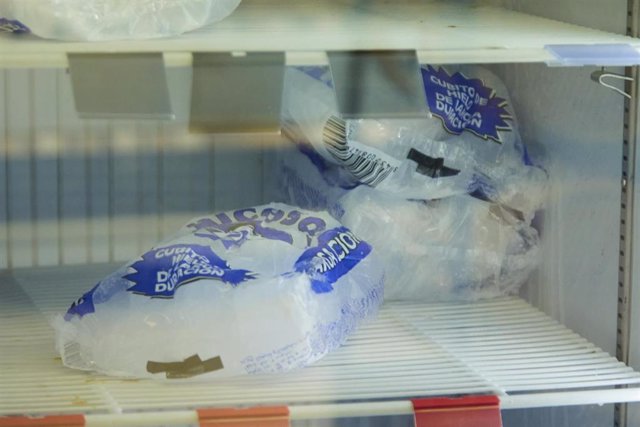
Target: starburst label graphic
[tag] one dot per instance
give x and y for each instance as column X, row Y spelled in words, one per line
column 82, row 306
column 465, row 104
column 161, row 271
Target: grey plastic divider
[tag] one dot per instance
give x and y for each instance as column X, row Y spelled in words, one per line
column 120, row 85
column 378, row 84
column 236, row 93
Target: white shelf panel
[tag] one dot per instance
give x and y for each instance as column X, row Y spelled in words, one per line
column 440, row 31
column 504, row 347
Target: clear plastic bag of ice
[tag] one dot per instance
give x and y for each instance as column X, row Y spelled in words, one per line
column 447, row 200
column 259, row 290
column 99, row 20
column 454, row 249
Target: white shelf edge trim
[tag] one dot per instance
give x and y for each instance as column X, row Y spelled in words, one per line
column 301, row 58
column 184, row 59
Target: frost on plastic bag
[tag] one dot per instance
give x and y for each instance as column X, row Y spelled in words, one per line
column 96, row 20
column 305, row 180
column 447, row 200
column 454, row 249
column 469, row 144
column 259, row 290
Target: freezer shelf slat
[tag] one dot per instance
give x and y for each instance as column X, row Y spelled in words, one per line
column 440, row 31
column 411, row 350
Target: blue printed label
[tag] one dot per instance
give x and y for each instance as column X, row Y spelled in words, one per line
column 465, row 104
column 161, row 271
column 13, row 26
column 337, row 253
column 321, row 74
column 235, row 228
column 83, row 305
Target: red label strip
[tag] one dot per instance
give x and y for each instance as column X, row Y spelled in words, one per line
column 268, row 416
column 48, row 421
column 471, row 411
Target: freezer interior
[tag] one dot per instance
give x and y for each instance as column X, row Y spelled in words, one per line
column 79, row 196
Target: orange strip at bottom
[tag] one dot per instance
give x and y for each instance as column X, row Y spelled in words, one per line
column 47, row 421
column 471, row 411
column 268, row 416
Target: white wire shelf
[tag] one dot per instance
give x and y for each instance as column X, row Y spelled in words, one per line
column 504, row 347
column 440, row 31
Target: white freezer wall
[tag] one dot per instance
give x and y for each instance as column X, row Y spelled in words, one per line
column 80, row 191
column 607, row 16
column 581, row 225
column 575, row 126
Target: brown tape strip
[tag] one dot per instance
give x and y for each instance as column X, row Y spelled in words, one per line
column 189, row 367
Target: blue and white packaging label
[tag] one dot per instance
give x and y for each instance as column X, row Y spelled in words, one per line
column 322, row 74
column 338, row 251
column 205, row 246
column 83, row 305
column 232, row 229
column 13, row 26
column 161, row 271
column 465, row 104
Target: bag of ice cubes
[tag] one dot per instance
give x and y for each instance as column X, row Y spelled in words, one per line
column 98, row 20
column 266, row 289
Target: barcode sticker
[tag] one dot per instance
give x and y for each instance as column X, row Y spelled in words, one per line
column 368, row 164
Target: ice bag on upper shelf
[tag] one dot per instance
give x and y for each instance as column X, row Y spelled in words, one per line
column 97, row 20
column 468, row 144
column 447, row 200
column 259, row 290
